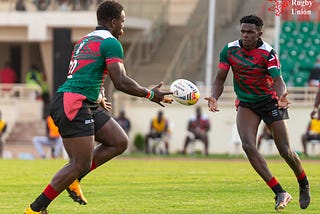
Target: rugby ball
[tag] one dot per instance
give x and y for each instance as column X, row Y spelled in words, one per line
column 184, row 92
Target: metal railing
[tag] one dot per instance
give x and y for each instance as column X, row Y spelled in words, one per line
column 19, row 91
column 144, row 45
column 298, row 96
column 189, row 51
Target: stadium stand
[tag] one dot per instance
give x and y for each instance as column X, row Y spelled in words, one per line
column 299, row 49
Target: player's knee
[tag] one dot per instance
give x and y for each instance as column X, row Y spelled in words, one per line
column 248, row 148
column 122, row 144
column 81, row 167
column 285, row 152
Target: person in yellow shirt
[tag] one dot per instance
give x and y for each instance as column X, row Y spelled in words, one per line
column 52, row 139
column 312, row 132
column 159, row 128
column 3, row 127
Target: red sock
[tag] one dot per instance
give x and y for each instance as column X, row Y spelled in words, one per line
column 272, row 182
column 301, row 176
column 50, row 192
column 275, row 185
column 93, row 165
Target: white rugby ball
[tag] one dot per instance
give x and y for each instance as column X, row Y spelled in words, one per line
column 185, row 92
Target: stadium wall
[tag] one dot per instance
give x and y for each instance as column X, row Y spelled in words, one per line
column 141, row 111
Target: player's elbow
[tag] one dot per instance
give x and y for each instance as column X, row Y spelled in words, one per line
column 120, row 85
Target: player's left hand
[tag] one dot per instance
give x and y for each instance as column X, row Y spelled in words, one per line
column 283, row 101
column 212, row 104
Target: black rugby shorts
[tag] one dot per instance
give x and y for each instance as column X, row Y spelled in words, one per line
column 267, row 110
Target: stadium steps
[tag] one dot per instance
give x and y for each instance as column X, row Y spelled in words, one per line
column 148, row 74
column 225, row 32
column 19, row 141
column 154, row 71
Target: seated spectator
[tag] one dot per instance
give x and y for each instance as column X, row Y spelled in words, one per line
column 20, row 5
column 3, row 128
column 198, row 128
column 159, row 128
column 312, row 133
column 41, row 4
column 124, row 122
column 265, row 135
column 52, row 139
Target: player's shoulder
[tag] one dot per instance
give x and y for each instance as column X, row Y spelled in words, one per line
column 266, row 46
column 104, row 34
column 235, row 43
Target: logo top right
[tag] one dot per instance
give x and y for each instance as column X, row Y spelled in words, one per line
column 298, row 7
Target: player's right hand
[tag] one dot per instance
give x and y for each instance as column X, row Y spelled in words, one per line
column 105, row 104
column 159, row 96
column 212, row 104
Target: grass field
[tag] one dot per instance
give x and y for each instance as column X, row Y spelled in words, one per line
column 158, row 185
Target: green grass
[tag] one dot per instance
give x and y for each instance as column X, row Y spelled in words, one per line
column 158, row 185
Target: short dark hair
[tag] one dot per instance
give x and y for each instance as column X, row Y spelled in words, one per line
column 108, row 10
column 252, row 19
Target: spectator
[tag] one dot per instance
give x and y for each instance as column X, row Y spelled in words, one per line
column 81, row 4
column 20, row 6
column 3, row 128
column 235, row 140
column 312, row 133
column 315, row 74
column 266, row 134
column 198, row 128
column 42, row 4
column 37, row 78
column 63, row 5
column 52, row 139
column 159, row 128
column 7, row 74
column 124, row 122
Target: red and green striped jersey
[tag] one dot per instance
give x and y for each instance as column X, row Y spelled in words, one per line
column 253, row 71
column 87, row 69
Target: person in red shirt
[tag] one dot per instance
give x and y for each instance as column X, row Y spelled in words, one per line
column 198, row 128
column 7, row 74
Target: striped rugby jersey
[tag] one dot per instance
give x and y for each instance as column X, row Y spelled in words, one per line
column 90, row 56
column 253, row 71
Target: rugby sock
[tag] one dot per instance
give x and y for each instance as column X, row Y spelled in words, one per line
column 275, row 185
column 302, row 179
column 43, row 201
column 93, row 166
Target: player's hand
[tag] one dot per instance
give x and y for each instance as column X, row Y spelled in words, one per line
column 105, row 104
column 283, row 101
column 159, row 96
column 212, row 104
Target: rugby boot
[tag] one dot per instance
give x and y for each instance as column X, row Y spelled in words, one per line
column 75, row 192
column 282, row 199
column 304, row 197
column 30, row 211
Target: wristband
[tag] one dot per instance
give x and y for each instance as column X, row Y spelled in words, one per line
column 150, row 94
column 315, row 108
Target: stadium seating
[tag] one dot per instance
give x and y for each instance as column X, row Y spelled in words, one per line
column 299, row 49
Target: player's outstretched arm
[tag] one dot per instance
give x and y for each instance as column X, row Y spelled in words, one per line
column 217, row 89
column 128, row 85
